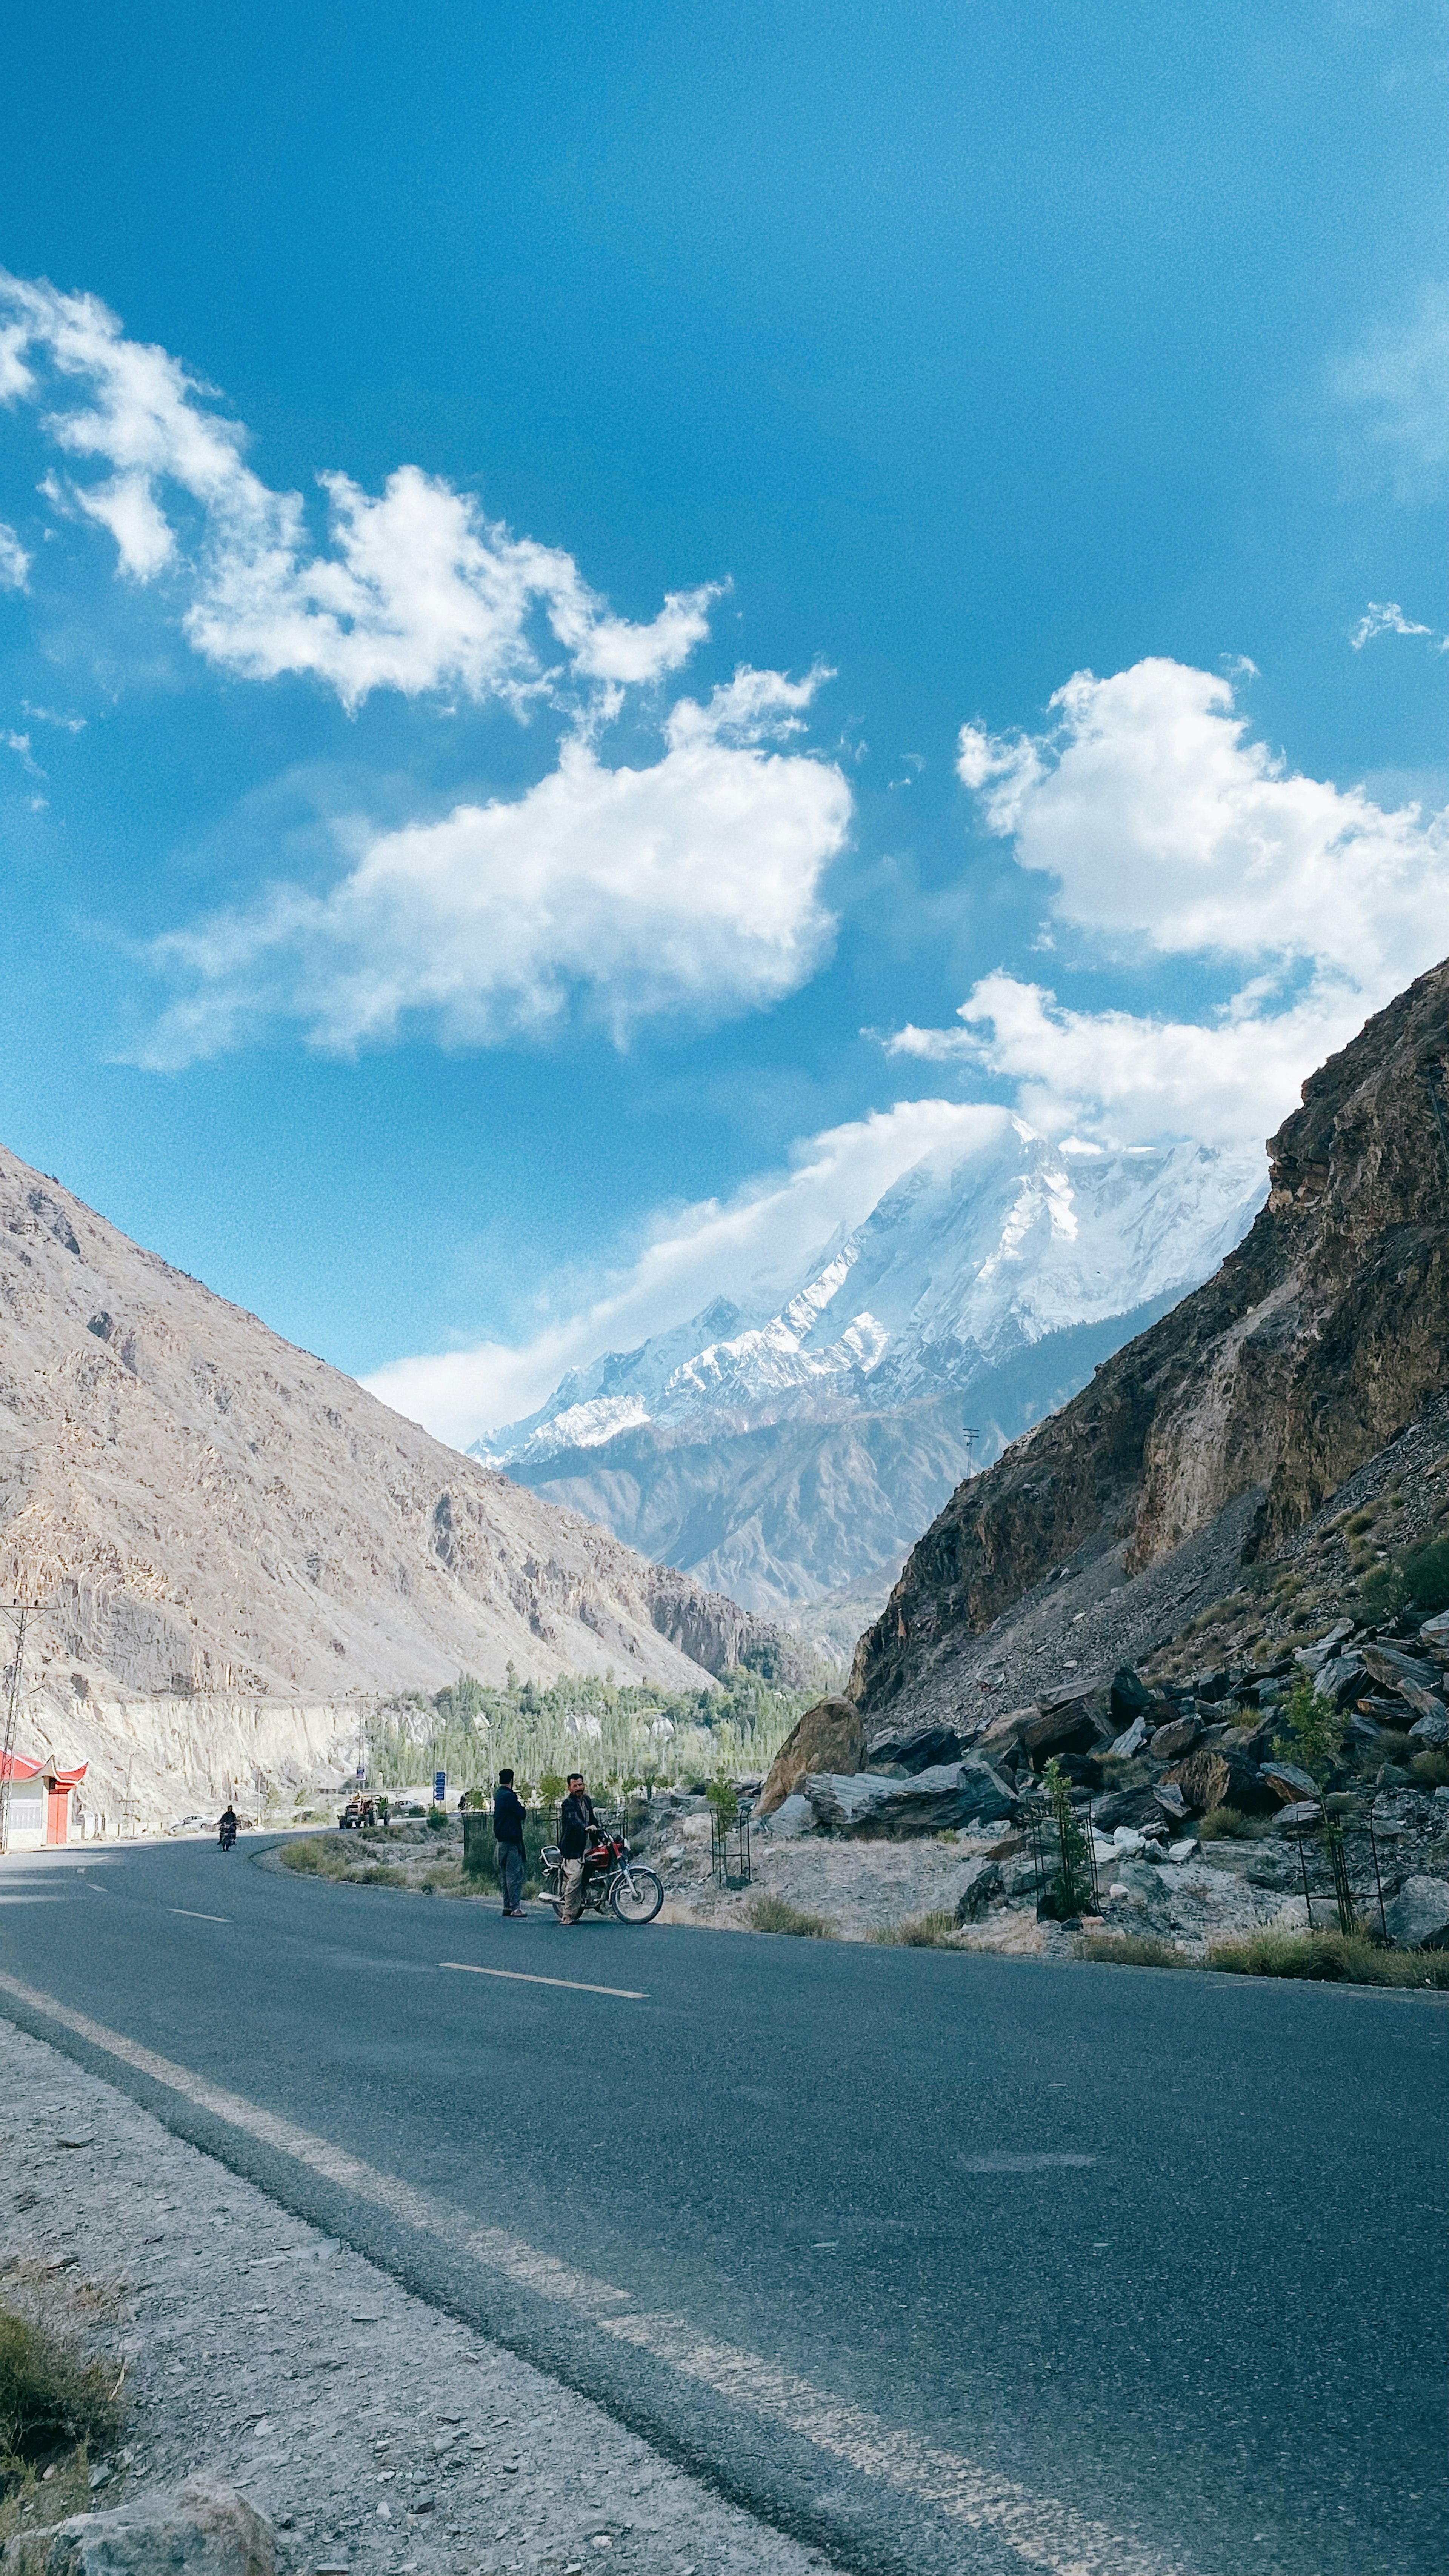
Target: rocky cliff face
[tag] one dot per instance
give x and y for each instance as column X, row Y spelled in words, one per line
column 1315, row 1343
column 214, row 1514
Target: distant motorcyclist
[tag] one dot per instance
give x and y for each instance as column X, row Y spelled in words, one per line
column 226, row 1828
column 578, row 1827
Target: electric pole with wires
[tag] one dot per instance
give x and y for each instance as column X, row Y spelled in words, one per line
column 25, row 1611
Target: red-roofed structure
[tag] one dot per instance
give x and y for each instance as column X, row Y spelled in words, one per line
column 39, row 1801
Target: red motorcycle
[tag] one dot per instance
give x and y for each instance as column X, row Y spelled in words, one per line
column 614, row 1882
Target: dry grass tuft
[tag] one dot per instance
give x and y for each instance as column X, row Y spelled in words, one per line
column 935, row 1931
column 1328, row 1958
column 773, row 1914
column 58, row 2400
column 1131, row 1950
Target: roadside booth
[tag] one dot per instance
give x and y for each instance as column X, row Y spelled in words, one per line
column 41, row 1795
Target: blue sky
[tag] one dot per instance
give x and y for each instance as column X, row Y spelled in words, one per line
column 412, row 927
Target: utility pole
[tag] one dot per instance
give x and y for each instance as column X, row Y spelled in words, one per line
column 24, row 1610
column 970, row 1435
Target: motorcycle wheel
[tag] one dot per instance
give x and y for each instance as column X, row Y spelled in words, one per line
column 636, row 1896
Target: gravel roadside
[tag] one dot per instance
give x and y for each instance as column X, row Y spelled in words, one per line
column 374, row 2432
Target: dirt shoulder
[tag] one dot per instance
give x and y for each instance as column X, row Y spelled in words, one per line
column 376, row 2433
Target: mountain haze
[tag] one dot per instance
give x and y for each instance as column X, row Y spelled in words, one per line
column 785, row 1452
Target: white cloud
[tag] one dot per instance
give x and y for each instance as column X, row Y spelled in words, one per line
column 418, row 591
column 690, row 885
column 1398, row 381
column 750, row 1249
column 1166, row 830
column 14, row 561
column 1385, row 617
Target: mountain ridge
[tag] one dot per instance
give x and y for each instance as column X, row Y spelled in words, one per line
column 217, row 1511
column 1318, row 1340
column 788, row 1450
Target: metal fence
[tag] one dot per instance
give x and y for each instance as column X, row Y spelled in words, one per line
column 729, row 1848
column 1058, row 1826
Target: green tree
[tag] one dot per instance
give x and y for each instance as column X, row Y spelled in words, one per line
column 1313, row 1733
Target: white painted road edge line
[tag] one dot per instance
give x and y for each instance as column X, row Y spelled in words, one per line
column 1039, row 2530
column 193, row 1917
column 521, row 1977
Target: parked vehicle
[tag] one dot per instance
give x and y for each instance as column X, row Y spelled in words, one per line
column 614, row 1882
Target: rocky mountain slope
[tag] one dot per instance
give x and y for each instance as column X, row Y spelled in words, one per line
column 221, row 1521
column 788, row 1452
column 1209, row 1440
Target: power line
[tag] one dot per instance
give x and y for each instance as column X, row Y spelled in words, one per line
column 12, row 1710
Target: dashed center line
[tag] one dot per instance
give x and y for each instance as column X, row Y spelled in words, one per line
column 193, row 1917
column 521, row 1977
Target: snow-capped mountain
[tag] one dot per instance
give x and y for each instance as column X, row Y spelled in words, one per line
column 783, row 1454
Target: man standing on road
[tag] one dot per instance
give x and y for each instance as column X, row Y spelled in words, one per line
column 508, row 1819
column 577, row 1825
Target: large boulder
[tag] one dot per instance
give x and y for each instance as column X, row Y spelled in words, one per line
column 203, row 2528
column 1418, row 1917
column 982, row 1883
column 1392, row 1668
column 1435, row 1635
column 829, row 1737
column 913, row 1748
column 1288, row 1783
column 1129, row 1696
column 949, row 1795
column 1171, row 1742
column 1432, row 1731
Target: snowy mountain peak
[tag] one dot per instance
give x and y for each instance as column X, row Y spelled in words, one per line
column 968, row 1259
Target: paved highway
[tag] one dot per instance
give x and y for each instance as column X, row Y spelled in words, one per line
column 947, row 2263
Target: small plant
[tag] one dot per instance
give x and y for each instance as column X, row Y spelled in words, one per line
column 1357, row 1522
column 934, row 1931
column 722, row 1797
column 773, row 1914
column 552, row 1789
column 1313, row 1733
column 316, row 1857
column 1432, row 1768
column 1330, row 1958
column 1070, row 1892
column 1130, row 1950
column 52, row 2399
column 437, row 1819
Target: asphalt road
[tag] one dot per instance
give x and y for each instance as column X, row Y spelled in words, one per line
column 944, row 2262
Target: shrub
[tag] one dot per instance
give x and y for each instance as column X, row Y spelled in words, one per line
column 1432, row 1768
column 1313, row 1731
column 1131, row 1950
column 437, row 1819
column 1223, row 1824
column 51, row 2397
column 722, row 1797
column 552, row 1789
column 1329, row 1958
column 773, row 1914
column 935, row 1931
column 316, row 1857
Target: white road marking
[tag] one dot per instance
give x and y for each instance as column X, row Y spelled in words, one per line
column 520, row 1977
column 1040, row 2531
column 193, row 1917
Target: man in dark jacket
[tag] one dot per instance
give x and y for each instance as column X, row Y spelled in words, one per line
column 577, row 1827
column 508, row 1816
